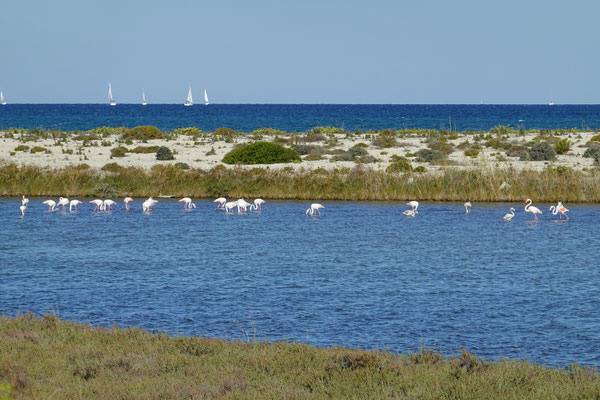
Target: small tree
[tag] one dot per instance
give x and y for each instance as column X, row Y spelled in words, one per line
column 164, row 153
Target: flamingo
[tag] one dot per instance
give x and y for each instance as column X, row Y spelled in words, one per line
column 148, row 204
column 63, row 201
column 410, row 213
column 509, row 217
column 108, row 204
column 127, row 200
column 257, row 205
column 221, row 201
column 188, row 203
column 23, row 208
column 99, row 205
column 229, row 206
column 24, row 201
column 242, row 204
column 532, row 209
column 560, row 210
column 74, row 203
column 51, row 204
column 414, row 205
column 468, row 207
column 314, row 209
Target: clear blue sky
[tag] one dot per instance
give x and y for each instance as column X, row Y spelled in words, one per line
column 310, row 51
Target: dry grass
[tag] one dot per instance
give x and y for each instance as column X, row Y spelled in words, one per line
column 359, row 183
column 46, row 357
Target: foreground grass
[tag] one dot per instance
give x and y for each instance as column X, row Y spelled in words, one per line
column 47, row 357
column 359, row 183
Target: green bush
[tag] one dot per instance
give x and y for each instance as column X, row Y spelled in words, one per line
column 427, row 155
column 401, row 165
column 541, row 152
column 591, row 152
column 37, row 149
column 420, row 169
column 22, row 148
column 191, row 131
column 471, row 153
column 441, row 146
column 182, row 165
column 112, row 167
column 211, row 152
column 144, row 149
column 261, row 153
column 385, row 139
column 164, row 154
column 118, row 151
column 562, row 146
column 143, row 133
column 304, row 149
column 224, row 132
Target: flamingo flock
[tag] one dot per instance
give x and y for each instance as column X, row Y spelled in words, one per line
column 243, row 206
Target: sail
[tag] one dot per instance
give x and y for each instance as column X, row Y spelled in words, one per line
column 1, row 97
column 143, row 97
column 110, row 98
column 189, row 98
column 205, row 98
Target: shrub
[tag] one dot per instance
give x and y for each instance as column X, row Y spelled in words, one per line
column 385, row 139
column 143, row 133
column 494, row 143
column 37, row 149
column 541, row 152
column 441, row 146
column 22, row 148
column 354, row 153
column 144, row 149
column 112, row 167
column 211, row 152
column 261, row 153
column 86, row 137
column 223, row 131
column 191, row 131
column 182, row 165
column 420, row 169
column 427, row 155
column 471, row 153
column 327, row 130
column 313, row 157
column 118, row 151
column 401, row 165
column 164, row 154
column 303, row 149
column 562, row 146
column 591, row 152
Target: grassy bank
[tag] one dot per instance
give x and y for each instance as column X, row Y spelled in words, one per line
column 359, row 183
column 47, row 357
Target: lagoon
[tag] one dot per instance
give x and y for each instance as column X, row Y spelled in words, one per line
column 361, row 275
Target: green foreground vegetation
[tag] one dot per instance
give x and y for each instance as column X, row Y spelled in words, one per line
column 45, row 357
column 358, row 183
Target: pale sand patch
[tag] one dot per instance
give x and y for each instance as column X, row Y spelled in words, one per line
column 186, row 151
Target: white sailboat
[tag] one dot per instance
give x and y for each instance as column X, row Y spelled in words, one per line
column 551, row 103
column 2, row 101
column 143, row 98
column 205, row 98
column 189, row 101
column 111, row 102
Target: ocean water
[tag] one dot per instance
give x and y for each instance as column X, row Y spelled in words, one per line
column 299, row 117
column 360, row 275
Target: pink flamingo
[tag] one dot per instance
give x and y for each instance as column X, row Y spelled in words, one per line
column 257, row 205
column 531, row 209
column 24, row 201
column 242, row 205
column 51, row 204
column 188, row 203
column 414, row 205
column 221, row 202
column 127, row 200
column 108, row 204
column 229, row 206
column 314, row 209
column 148, row 204
column 468, row 207
column 74, row 203
column 99, row 205
column 23, row 208
column 560, row 210
column 62, row 202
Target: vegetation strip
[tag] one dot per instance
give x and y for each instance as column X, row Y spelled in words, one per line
column 46, row 357
column 358, row 183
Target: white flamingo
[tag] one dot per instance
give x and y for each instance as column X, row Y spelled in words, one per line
column 221, row 201
column 531, row 209
column 410, row 213
column 257, row 205
column 24, row 201
column 74, row 203
column 148, row 204
column 62, row 202
column 468, row 207
column 23, row 208
column 127, row 200
column 188, row 203
column 314, row 209
column 242, row 205
column 414, row 205
column 51, row 204
column 560, row 210
column 99, row 204
column 509, row 216
column 229, row 206
column 108, row 204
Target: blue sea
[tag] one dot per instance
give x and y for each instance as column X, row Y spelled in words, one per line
column 299, row 117
column 360, row 275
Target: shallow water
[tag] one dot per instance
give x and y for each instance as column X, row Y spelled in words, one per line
column 362, row 274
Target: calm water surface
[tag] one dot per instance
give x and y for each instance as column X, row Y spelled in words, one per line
column 360, row 275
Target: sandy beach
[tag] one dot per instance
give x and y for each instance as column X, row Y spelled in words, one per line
column 192, row 151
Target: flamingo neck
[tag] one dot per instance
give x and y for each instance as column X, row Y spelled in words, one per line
column 527, row 205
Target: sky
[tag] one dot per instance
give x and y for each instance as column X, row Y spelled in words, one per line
column 310, row 51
